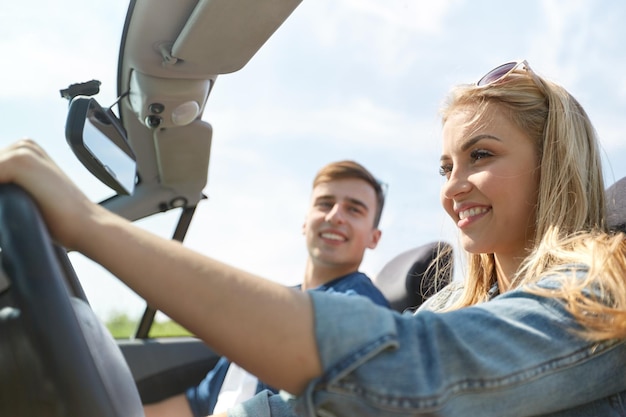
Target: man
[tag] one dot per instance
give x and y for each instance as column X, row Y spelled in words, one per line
column 341, row 223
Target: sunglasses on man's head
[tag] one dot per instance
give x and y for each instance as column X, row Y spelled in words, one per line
column 501, row 72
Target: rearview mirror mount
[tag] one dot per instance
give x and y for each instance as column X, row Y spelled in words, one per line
column 98, row 139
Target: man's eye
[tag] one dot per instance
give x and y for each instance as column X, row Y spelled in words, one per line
column 445, row 170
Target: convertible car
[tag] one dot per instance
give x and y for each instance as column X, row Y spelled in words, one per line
column 152, row 148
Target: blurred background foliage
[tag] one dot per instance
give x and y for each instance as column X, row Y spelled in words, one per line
column 122, row 326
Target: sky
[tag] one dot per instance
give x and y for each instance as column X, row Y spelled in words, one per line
column 340, row 79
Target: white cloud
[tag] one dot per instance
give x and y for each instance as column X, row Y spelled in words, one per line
column 369, row 28
column 47, row 47
column 356, row 121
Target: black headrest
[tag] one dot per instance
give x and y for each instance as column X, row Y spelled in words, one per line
column 616, row 206
column 413, row 276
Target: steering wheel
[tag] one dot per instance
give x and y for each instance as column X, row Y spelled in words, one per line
column 56, row 357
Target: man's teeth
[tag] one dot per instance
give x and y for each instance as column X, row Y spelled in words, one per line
column 472, row 212
column 332, row 236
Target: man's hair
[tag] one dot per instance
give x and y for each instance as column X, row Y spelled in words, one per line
column 352, row 170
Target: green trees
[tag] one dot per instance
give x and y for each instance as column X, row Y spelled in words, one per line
column 122, row 326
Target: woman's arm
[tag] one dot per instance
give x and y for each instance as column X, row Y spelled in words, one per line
column 261, row 325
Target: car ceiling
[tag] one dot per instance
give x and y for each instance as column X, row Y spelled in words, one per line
column 170, row 57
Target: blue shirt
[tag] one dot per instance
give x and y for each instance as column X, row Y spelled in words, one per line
column 515, row 355
column 203, row 397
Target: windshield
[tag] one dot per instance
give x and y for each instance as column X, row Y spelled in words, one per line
column 339, row 79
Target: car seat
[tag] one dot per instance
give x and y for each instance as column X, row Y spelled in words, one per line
column 616, row 206
column 411, row 277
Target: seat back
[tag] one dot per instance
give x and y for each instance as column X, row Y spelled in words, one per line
column 616, row 206
column 413, row 276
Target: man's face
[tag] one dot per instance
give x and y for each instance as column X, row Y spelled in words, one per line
column 340, row 223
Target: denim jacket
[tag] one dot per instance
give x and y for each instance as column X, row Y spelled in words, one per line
column 515, row 355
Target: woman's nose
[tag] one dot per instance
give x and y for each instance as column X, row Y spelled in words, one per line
column 456, row 184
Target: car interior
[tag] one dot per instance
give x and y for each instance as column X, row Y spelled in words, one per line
column 152, row 148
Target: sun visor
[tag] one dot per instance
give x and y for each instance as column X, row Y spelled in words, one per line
column 221, row 36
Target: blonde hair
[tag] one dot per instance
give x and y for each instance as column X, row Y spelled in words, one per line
column 570, row 196
column 597, row 301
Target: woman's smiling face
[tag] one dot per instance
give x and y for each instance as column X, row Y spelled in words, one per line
column 492, row 176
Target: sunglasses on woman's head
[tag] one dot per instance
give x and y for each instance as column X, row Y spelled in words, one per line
column 501, row 71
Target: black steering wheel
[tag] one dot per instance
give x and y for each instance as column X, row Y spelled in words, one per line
column 56, row 357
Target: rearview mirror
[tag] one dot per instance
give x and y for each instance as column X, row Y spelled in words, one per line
column 98, row 140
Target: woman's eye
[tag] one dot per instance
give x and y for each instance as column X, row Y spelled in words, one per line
column 445, row 170
column 479, row 154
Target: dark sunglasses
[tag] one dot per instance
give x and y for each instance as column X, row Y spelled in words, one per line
column 502, row 71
